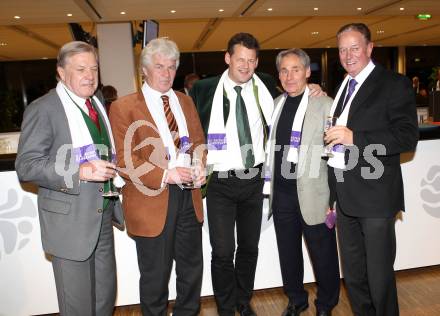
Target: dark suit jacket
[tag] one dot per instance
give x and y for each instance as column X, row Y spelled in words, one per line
column 203, row 92
column 145, row 202
column 382, row 112
column 70, row 213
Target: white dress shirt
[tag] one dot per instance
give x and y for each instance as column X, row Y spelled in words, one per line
column 255, row 124
column 360, row 78
column 81, row 102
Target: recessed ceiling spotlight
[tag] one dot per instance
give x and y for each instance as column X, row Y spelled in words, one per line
column 122, row 12
column 315, row 9
column 401, row 9
column 69, row 14
column 328, row 46
column 359, row 9
column 44, row 58
column 269, row 9
column 173, row 11
column 315, row 33
column 17, row 17
column 220, row 10
column 3, row 44
column 380, row 31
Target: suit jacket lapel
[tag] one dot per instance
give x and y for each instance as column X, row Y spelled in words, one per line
column 308, row 130
column 364, row 92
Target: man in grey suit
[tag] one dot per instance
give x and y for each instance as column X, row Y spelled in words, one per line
column 296, row 178
column 58, row 150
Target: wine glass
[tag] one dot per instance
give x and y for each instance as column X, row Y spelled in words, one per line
column 329, row 122
column 195, row 165
column 103, row 153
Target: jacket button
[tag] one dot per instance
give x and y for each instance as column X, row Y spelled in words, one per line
column 101, row 189
column 99, row 210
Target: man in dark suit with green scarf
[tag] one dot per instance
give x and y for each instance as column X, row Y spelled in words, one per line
column 234, row 109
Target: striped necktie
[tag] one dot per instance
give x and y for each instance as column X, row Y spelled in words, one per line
column 171, row 120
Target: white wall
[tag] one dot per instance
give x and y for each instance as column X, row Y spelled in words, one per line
column 26, row 279
column 116, row 59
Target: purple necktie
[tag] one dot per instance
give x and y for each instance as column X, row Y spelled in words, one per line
column 351, row 86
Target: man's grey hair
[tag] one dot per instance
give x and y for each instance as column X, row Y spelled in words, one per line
column 302, row 55
column 73, row 48
column 162, row 46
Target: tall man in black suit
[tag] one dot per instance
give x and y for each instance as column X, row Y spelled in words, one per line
column 377, row 116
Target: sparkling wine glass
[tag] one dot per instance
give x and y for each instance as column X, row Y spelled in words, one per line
column 195, row 170
column 103, row 153
column 329, row 122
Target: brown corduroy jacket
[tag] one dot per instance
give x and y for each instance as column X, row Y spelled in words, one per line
column 142, row 159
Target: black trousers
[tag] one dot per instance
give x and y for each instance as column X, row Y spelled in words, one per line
column 234, row 202
column 321, row 244
column 368, row 251
column 181, row 241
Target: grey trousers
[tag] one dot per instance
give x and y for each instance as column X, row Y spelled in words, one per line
column 89, row 287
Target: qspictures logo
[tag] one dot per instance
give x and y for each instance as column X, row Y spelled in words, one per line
column 15, row 223
column 430, row 191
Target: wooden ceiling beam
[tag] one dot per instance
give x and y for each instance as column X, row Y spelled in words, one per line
column 89, row 9
column 207, row 31
column 24, row 31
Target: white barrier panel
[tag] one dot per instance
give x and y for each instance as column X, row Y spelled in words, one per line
column 26, row 280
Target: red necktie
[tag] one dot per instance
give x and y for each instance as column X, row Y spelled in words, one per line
column 93, row 114
column 172, row 123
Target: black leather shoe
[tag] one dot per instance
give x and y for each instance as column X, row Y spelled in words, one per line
column 294, row 310
column 323, row 313
column 246, row 310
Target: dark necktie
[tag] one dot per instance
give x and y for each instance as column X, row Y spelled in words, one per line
column 351, row 86
column 244, row 131
column 93, row 114
column 341, row 105
column 171, row 120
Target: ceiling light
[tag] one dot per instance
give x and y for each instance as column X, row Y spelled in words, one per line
column 17, row 17
column 44, row 58
column 401, row 9
column 69, row 14
column 3, row 44
column 269, row 9
column 359, row 9
column 380, row 31
column 315, row 33
column 122, row 12
column 328, row 46
column 316, row 9
column 220, row 10
column 173, row 11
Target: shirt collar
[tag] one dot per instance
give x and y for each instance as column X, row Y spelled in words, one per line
column 362, row 76
column 154, row 93
column 78, row 100
column 229, row 84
